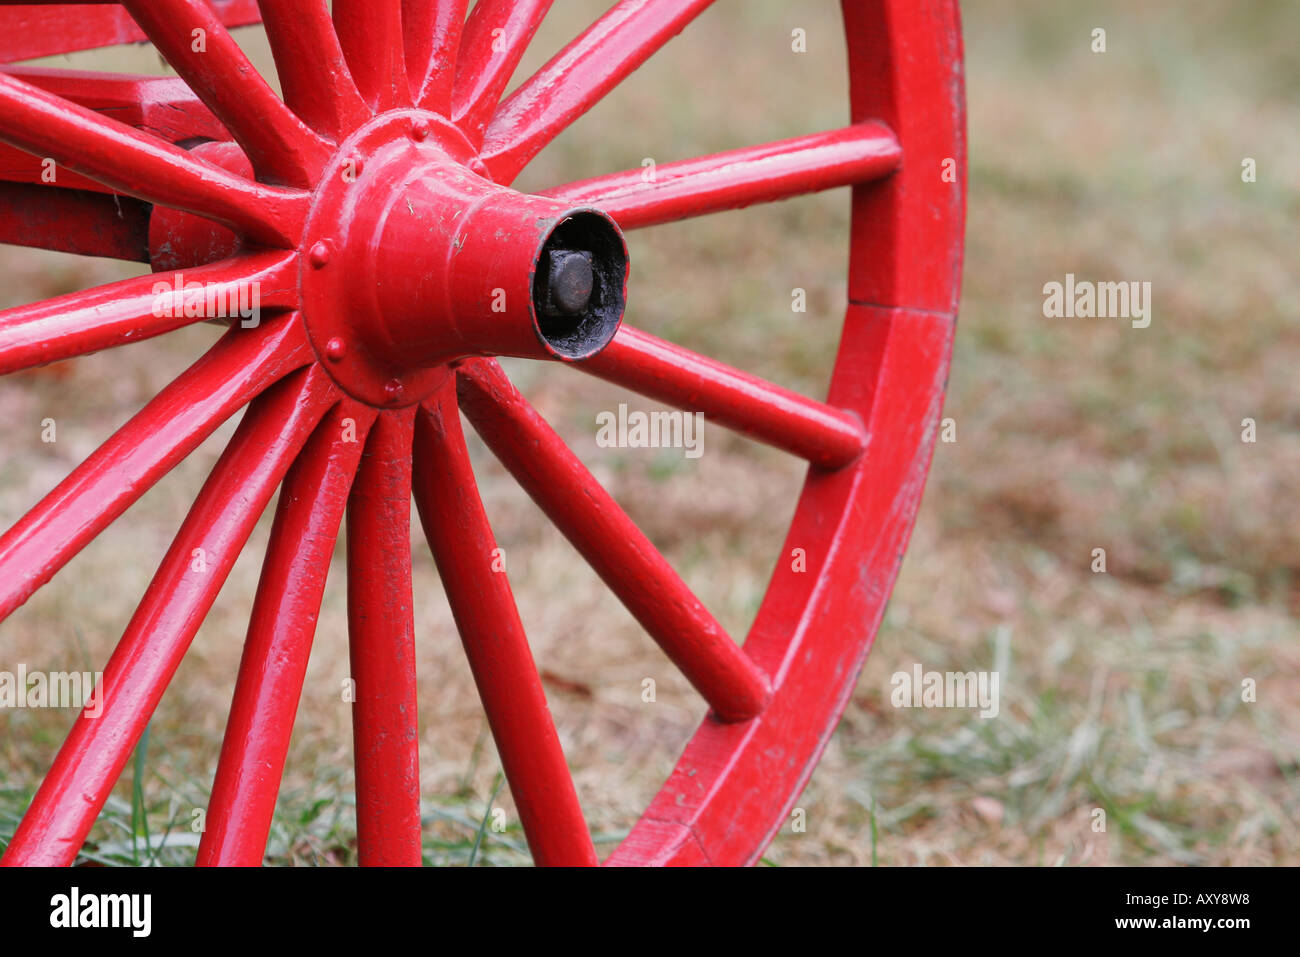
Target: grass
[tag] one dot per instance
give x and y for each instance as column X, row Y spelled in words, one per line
column 1121, row 693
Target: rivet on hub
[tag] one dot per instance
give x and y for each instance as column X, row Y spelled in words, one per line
column 420, row 130
column 335, row 349
column 393, row 390
column 319, row 255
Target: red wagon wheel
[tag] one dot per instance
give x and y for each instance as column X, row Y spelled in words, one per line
column 370, row 211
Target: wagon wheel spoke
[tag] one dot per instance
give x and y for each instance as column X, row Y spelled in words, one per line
column 142, row 451
column 730, row 180
column 611, row 543
column 577, row 77
column 141, row 165
column 74, row 221
column 313, row 73
column 370, row 32
column 134, row 309
column 433, row 32
column 280, row 632
column 196, row 565
column 822, row 434
column 162, row 106
column 495, row 37
column 192, row 38
column 381, row 645
column 484, row 608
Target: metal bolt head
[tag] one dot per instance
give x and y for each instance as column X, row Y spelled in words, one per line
column 319, row 255
column 420, row 129
column 570, row 280
column 335, row 349
column 393, row 390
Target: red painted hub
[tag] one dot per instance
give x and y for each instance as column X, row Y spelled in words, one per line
column 412, row 258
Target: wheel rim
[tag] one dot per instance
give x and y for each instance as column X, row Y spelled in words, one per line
column 348, row 416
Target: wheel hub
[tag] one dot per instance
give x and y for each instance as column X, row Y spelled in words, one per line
column 412, row 258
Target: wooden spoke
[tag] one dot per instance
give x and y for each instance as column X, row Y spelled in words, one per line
column 578, row 77
column 192, row 38
column 611, row 542
column 280, row 632
column 484, row 608
column 370, row 33
column 309, row 61
column 381, row 643
column 756, row 174
column 822, row 434
column 433, row 32
column 136, row 309
column 160, row 105
column 126, row 466
column 267, row 441
column 495, row 38
column 140, row 165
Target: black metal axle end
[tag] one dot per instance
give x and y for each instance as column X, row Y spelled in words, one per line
column 570, row 280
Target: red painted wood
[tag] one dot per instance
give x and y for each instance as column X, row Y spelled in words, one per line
column 906, row 71
column 433, row 35
column 163, row 106
column 393, row 273
column 738, row 178
column 129, row 310
column 74, row 221
column 29, row 30
column 814, row 628
column 381, row 645
column 140, row 165
column 280, row 632
column 180, row 240
column 370, row 33
column 484, row 608
column 576, row 78
column 825, row 435
column 495, row 37
column 313, row 74
column 140, row 453
column 282, row 149
column 169, row 615
column 619, row 552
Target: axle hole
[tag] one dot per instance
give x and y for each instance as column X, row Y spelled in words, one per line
column 579, row 284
